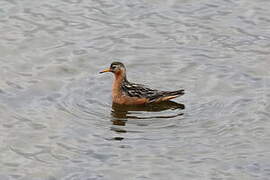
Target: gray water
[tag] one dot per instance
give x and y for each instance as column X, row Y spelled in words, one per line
column 57, row 121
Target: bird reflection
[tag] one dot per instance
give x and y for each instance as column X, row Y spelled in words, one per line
column 122, row 113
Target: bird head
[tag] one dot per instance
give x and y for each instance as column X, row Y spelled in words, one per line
column 116, row 68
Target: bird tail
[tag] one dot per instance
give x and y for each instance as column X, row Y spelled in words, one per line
column 167, row 95
column 175, row 93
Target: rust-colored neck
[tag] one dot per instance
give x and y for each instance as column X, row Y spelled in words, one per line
column 116, row 88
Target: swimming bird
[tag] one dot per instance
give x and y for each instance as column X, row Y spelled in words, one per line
column 127, row 93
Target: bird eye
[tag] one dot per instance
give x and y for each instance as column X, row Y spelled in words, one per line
column 113, row 67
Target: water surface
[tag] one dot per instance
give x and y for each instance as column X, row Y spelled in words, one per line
column 57, row 120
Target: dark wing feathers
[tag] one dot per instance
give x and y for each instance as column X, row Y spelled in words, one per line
column 137, row 90
column 141, row 91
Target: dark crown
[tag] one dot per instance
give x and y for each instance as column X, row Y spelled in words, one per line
column 117, row 64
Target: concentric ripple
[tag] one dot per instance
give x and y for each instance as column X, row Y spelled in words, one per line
column 83, row 105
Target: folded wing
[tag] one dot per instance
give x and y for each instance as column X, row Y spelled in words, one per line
column 153, row 95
